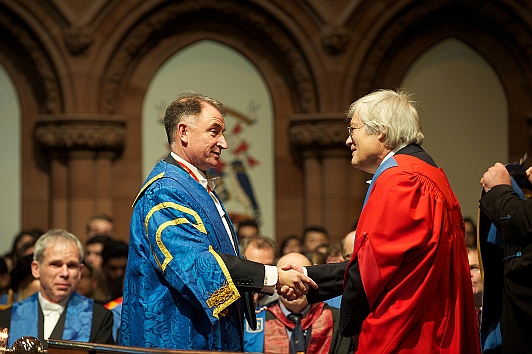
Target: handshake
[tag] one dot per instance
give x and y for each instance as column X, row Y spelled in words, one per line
column 292, row 283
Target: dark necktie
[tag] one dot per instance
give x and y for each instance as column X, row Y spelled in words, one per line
column 297, row 341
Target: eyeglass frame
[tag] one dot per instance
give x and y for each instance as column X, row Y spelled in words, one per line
column 350, row 129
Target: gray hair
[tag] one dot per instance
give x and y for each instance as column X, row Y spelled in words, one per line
column 187, row 106
column 392, row 113
column 52, row 235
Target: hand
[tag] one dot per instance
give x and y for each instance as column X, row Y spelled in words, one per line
column 496, row 175
column 295, row 267
column 529, row 174
column 292, row 284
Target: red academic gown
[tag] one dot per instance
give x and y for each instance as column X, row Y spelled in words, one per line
column 413, row 264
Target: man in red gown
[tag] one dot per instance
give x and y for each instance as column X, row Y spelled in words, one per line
column 407, row 287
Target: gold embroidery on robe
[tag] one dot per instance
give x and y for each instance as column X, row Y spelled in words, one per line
column 226, row 295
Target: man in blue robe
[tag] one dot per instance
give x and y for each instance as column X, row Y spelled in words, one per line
column 56, row 310
column 184, row 277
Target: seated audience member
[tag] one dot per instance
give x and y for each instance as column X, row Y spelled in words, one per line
column 247, row 228
column 297, row 327
column 260, row 249
column 56, row 310
column 6, row 293
column 348, row 243
column 99, row 224
column 93, row 250
column 316, row 257
column 114, row 264
column 290, row 244
column 476, row 280
column 334, row 254
column 23, row 282
column 23, row 238
column 470, row 232
column 313, row 238
column 92, row 285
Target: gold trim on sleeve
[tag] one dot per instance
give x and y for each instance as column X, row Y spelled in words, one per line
column 226, row 295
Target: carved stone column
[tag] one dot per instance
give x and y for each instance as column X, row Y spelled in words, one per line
column 313, row 183
column 331, row 197
column 81, row 150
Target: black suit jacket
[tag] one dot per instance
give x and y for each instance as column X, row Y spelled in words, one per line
column 513, row 217
column 101, row 330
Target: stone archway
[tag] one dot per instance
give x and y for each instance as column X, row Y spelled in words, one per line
column 495, row 30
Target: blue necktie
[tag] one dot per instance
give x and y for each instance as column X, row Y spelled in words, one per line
column 297, row 341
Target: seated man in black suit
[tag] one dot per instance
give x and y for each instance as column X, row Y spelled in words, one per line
column 56, row 310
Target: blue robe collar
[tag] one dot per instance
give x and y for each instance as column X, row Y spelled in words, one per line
column 388, row 163
column 78, row 322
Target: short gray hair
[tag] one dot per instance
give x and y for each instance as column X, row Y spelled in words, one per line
column 390, row 112
column 52, row 235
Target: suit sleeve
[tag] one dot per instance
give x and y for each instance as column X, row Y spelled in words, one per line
column 247, row 275
column 102, row 325
column 503, row 206
column 354, row 307
column 330, row 278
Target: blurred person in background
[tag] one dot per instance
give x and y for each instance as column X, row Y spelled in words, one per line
column 114, row 265
column 290, row 244
column 99, row 224
column 93, row 250
column 313, row 238
column 247, row 228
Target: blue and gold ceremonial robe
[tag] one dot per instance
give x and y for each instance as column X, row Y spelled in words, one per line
column 178, row 293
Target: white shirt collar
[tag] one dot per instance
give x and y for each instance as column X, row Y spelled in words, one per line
column 286, row 311
column 390, row 154
column 200, row 175
column 48, row 306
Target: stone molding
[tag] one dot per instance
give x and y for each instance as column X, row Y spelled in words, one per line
column 142, row 36
column 78, row 39
column 318, row 131
column 39, row 59
column 95, row 133
column 335, row 39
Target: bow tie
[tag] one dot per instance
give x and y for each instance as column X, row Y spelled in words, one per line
column 48, row 307
column 212, row 182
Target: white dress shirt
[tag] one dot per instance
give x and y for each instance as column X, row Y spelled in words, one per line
column 52, row 312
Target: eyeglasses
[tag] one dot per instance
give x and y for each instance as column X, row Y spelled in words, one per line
column 350, row 129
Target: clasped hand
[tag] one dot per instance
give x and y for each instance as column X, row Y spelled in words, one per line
column 292, row 283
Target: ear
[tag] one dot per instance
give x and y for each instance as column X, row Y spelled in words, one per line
column 381, row 136
column 35, row 271
column 80, row 272
column 182, row 133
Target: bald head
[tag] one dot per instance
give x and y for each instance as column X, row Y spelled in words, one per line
column 295, row 258
column 348, row 244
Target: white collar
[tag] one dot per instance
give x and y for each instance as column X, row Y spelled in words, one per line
column 198, row 174
column 390, row 154
column 48, row 306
